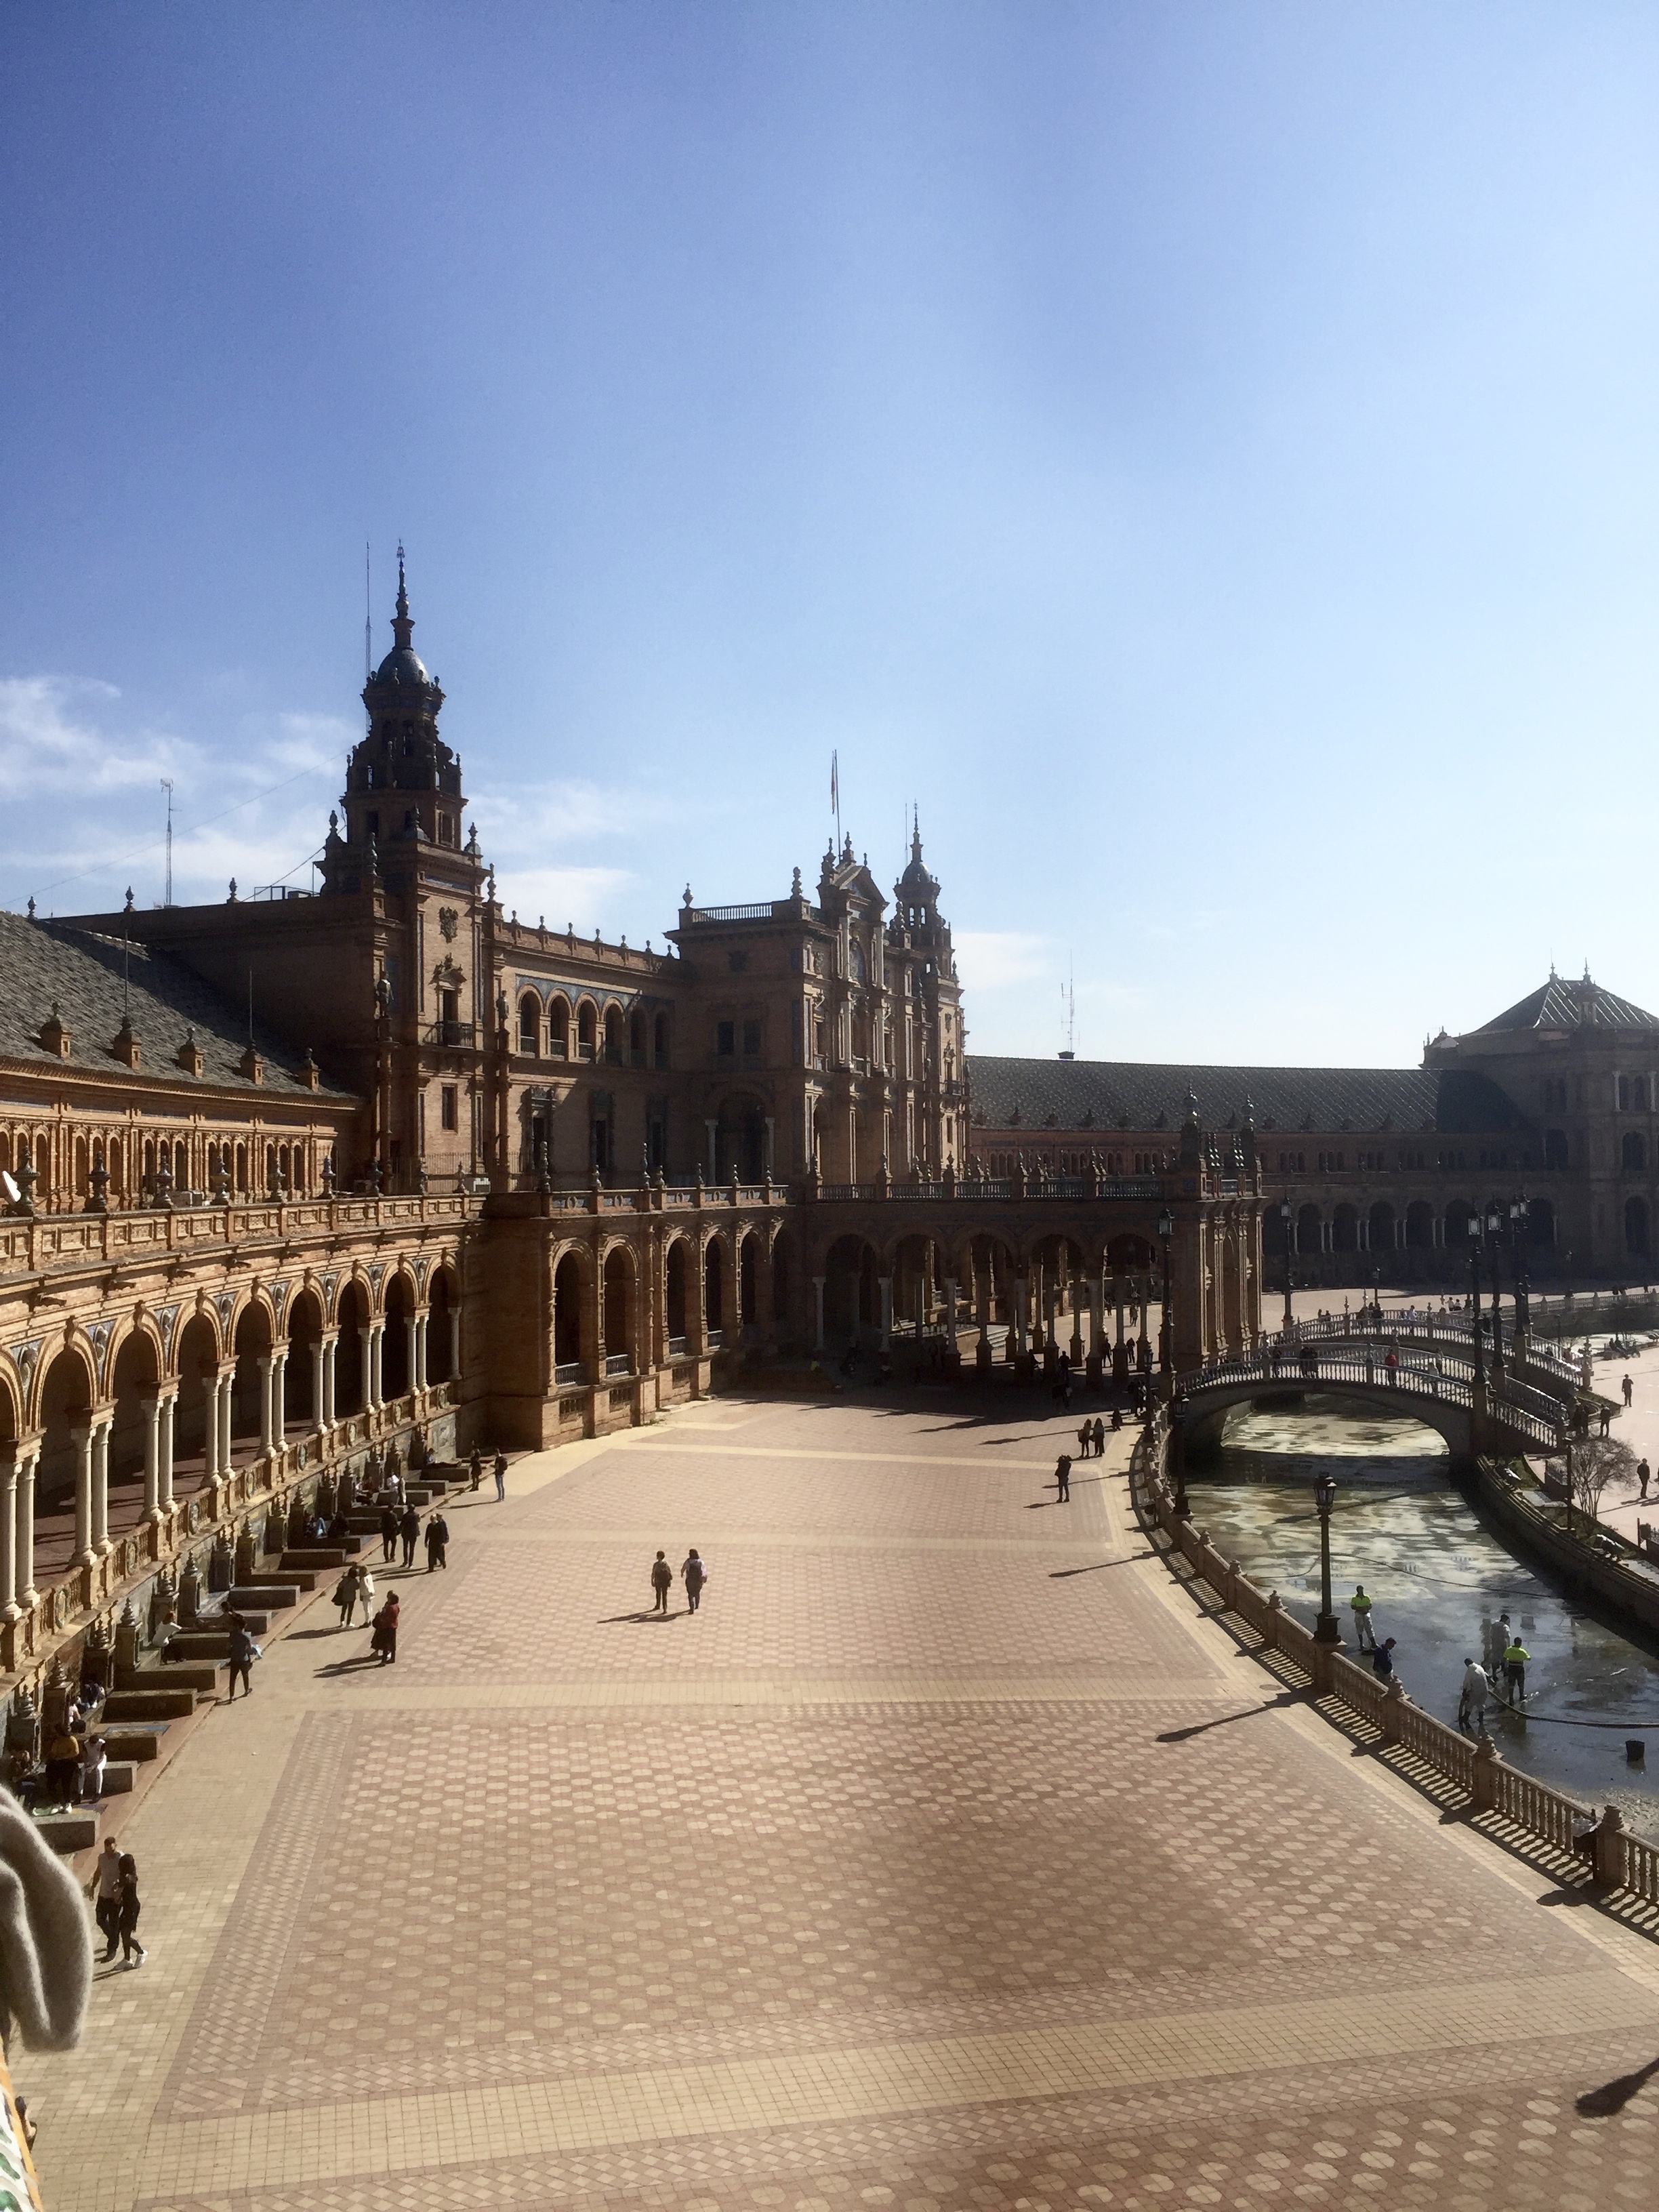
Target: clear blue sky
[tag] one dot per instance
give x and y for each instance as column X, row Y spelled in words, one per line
column 1206, row 456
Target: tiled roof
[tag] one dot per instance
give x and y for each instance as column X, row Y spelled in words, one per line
column 43, row 964
column 1560, row 1005
column 1112, row 1094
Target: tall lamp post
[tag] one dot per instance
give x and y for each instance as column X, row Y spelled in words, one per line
column 1520, row 1228
column 1325, row 1629
column 1287, row 1216
column 1497, row 1223
column 1166, row 1334
column 1474, row 1226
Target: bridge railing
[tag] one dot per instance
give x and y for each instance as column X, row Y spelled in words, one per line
column 1617, row 1860
column 1449, row 1331
column 1533, row 1414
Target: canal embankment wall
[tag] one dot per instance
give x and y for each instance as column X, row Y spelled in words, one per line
column 1496, row 1792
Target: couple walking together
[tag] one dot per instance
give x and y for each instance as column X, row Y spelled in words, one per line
column 694, row 1574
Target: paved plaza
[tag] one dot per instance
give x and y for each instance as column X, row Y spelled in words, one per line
column 946, row 1860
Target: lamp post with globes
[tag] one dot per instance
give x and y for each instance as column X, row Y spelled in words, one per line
column 1326, row 1630
column 1166, row 1333
column 1287, row 1216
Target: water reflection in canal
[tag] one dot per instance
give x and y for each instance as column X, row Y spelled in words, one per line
column 1402, row 1529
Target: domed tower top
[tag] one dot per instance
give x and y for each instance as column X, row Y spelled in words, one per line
column 402, row 780
column 916, row 891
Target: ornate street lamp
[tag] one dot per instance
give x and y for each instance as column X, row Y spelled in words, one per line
column 1166, row 1334
column 1474, row 1303
column 1178, row 1454
column 1325, row 1629
column 1520, row 1230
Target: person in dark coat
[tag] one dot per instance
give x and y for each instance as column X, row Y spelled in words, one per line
column 474, row 1468
column 241, row 1658
column 437, row 1542
column 133, row 1953
column 410, row 1529
column 501, row 1477
column 384, row 1637
column 662, row 1580
column 388, row 1534
column 345, row 1595
column 695, row 1574
column 1063, row 1478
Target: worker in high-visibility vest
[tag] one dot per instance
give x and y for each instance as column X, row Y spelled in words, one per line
column 1516, row 1655
column 1360, row 1606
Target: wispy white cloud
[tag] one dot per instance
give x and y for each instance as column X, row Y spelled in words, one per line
column 53, row 737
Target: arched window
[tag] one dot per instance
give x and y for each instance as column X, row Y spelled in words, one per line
column 530, row 1025
column 613, row 1036
column 662, row 1040
column 637, row 1040
column 558, row 1029
column 241, row 1166
column 586, row 1029
column 1638, row 1094
column 1635, row 1150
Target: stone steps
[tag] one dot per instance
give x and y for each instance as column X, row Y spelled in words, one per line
column 267, row 1597
column 323, row 1557
column 149, row 1705
column 136, row 1743
column 67, row 1833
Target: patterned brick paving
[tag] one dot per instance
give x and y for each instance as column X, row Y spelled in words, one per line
column 1149, row 1939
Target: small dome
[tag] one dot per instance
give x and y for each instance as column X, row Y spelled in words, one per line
column 403, row 665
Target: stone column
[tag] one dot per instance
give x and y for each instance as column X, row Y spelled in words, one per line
column 81, row 1439
column 8, row 1473
column 279, row 1398
column 265, row 1364
column 328, row 1349
column 1021, row 1287
column 817, row 1313
column 412, row 1350
column 454, row 1344
column 771, row 1146
column 1096, row 1317
column 885, row 1283
column 169, row 1406
column 226, row 1407
column 950, row 1288
column 26, row 1592
column 318, row 1403
column 101, row 1542
column 420, row 1351
column 366, row 1344
column 152, row 1456
column 376, row 1339
column 982, row 1290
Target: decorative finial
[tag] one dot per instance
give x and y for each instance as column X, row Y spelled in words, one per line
column 403, row 626
column 795, row 888
column 686, row 901
column 129, row 904
column 231, row 901
column 30, row 909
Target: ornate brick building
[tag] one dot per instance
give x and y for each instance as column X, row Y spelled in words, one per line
column 293, row 1179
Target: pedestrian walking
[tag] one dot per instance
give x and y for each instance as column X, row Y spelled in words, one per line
column 388, row 1534
column 474, row 1468
column 1099, row 1436
column 243, row 1650
column 1514, row 1668
column 1629, row 1388
column 662, row 1580
column 384, row 1637
column 1642, row 1475
column 1063, row 1478
column 107, row 1895
column 1383, row 1660
column 437, row 1542
column 1471, row 1705
column 694, row 1574
column 1085, row 1437
column 127, row 1914
column 501, row 1477
column 410, row 1529
column 1360, row 1606
column 366, row 1592
column 345, row 1595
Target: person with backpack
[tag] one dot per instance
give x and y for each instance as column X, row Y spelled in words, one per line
column 662, row 1580
column 694, row 1574
column 345, row 1595
column 243, row 1650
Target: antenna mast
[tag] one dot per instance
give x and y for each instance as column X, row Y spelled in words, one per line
column 1069, row 996
column 167, row 785
column 368, row 618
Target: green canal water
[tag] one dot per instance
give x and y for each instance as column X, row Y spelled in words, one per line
column 1401, row 1528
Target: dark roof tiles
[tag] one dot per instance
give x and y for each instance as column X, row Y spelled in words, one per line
column 44, row 963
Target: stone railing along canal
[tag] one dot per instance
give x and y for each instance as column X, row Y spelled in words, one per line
column 1618, row 1860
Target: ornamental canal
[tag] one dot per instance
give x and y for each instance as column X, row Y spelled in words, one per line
column 1434, row 1571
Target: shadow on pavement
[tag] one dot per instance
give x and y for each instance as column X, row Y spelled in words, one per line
column 1614, row 2096
column 1201, row 1728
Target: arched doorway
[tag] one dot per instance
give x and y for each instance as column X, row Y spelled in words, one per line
column 396, row 1380
column 1420, row 1226
column 674, row 1296
column 852, row 1296
column 247, row 1392
column 568, row 1320
column 444, row 1312
column 1381, row 1226
column 618, row 1312
column 748, row 1256
column 65, row 1406
column 349, row 1377
column 715, row 1302
column 782, row 1282
column 305, row 1335
column 198, row 1367
column 132, row 1385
